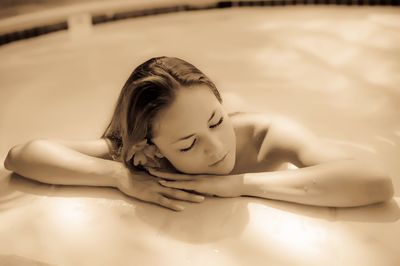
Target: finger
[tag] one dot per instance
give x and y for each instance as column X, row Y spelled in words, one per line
column 181, row 195
column 170, row 176
column 190, row 185
column 167, row 203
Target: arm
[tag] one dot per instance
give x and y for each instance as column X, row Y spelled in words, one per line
column 53, row 163
column 340, row 183
column 329, row 176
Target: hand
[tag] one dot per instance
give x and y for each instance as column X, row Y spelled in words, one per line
column 145, row 187
column 217, row 185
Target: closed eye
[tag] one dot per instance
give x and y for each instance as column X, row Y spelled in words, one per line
column 194, row 142
column 219, row 123
column 187, row 149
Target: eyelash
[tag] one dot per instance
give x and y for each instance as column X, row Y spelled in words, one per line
column 187, row 149
column 217, row 124
column 212, row 126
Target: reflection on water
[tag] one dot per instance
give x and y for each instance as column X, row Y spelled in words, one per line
column 299, row 236
column 302, row 236
column 15, row 260
column 70, row 213
column 386, row 140
column 213, row 220
column 67, row 225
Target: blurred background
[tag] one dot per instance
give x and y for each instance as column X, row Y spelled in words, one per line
column 11, row 8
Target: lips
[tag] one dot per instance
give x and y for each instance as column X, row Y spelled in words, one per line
column 217, row 162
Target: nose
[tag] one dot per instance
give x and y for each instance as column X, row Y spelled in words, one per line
column 213, row 147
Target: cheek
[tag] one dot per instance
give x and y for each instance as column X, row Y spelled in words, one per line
column 187, row 163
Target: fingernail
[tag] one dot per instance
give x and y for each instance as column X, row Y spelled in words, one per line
column 179, row 207
column 199, row 198
column 162, row 182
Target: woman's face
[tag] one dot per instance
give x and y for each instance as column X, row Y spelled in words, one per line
column 195, row 134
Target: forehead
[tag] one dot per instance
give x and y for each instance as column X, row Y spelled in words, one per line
column 192, row 107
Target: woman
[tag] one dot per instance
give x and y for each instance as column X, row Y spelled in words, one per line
column 170, row 139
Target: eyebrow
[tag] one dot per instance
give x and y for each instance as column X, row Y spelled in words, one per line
column 191, row 135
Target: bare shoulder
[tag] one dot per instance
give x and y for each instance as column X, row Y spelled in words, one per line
column 284, row 139
column 272, row 130
column 260, row 121
column 251, row 128
column 253, row 135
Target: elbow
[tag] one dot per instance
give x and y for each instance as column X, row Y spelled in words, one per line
column 10, row 158
column 16, row 155
column 380, row 188
column 374, row 185
column 377, row 183
column 384, row 189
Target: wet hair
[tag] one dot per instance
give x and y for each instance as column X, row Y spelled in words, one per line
column 150, row 88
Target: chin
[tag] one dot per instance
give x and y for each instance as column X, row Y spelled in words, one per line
column 224, row 169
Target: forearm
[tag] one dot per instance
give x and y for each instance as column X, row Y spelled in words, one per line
column 343, row 183
column 54, row 163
